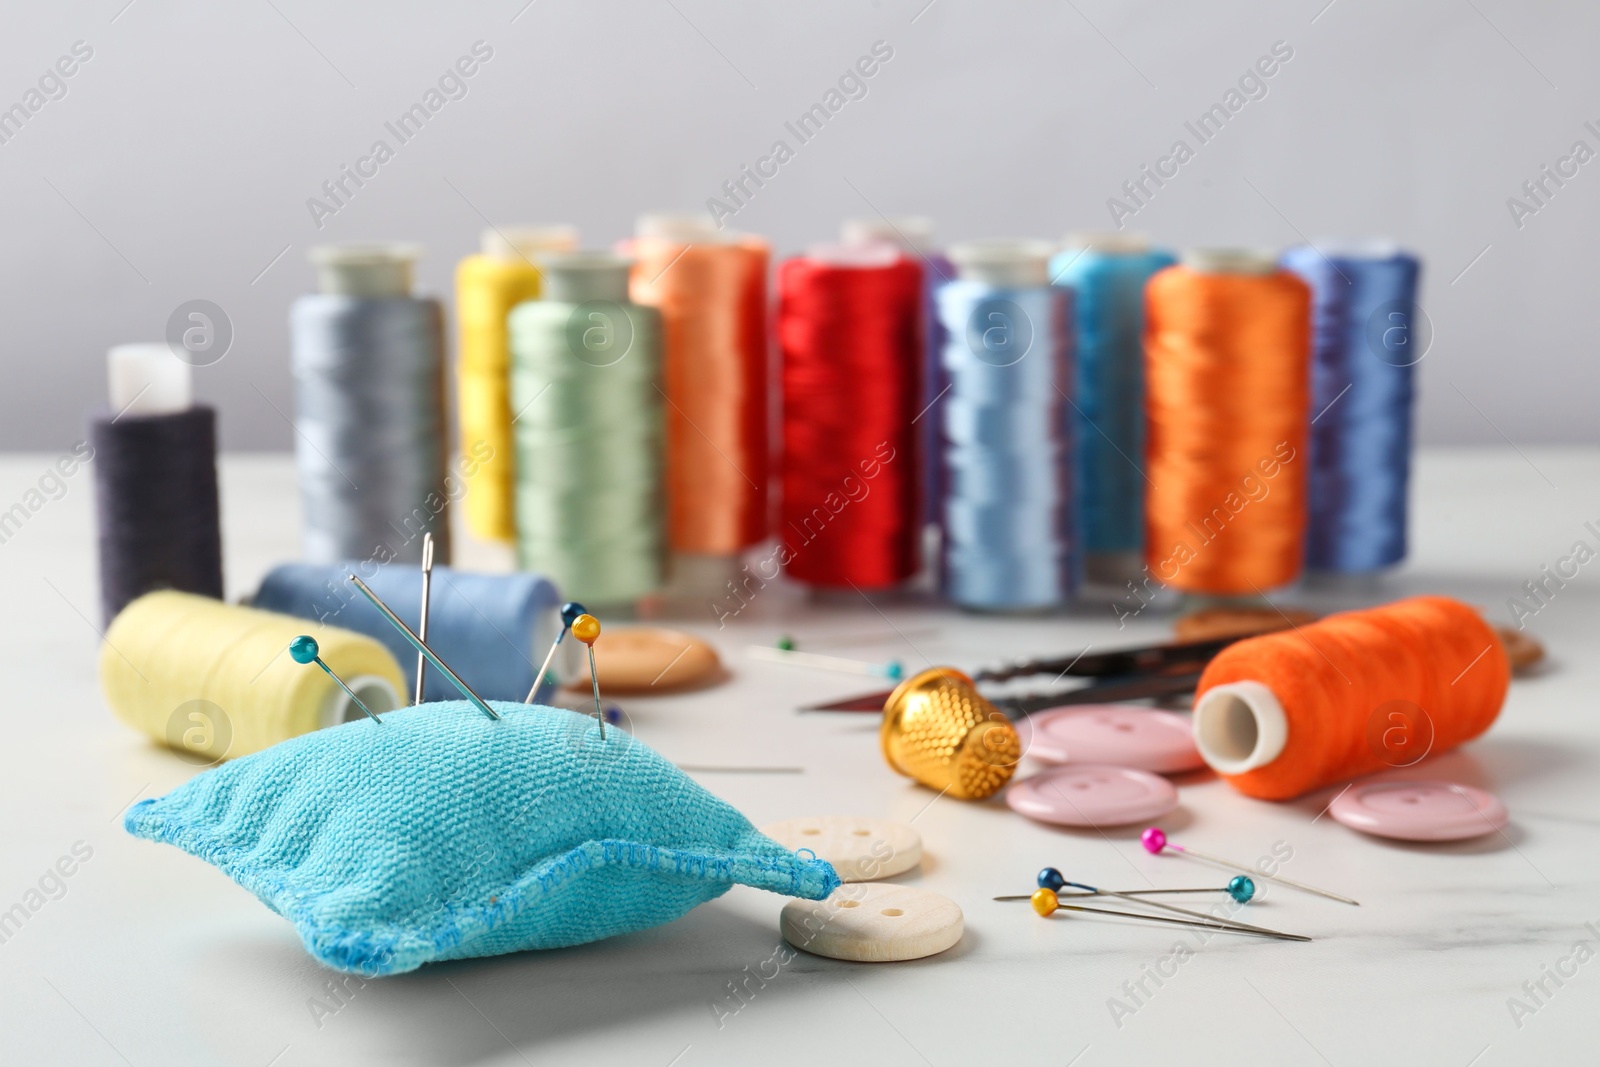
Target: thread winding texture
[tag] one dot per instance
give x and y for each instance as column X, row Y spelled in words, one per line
column 1227, row 367
column 1009, row 525
column 370, row 422
column 1339, row 679
column 587, row 385
column 1364, row 352
column 156, row 505
column 487, row 288
column 851, row 342
column 215, row 680
column 492, row 629
column 1108, row 313
column 712, row 299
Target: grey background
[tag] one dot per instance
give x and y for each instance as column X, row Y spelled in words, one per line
column 179, row 162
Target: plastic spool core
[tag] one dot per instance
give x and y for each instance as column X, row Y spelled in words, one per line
column 1110, row 241
column 526, row 242
column 1239, row 726
column 678, row 228
column 909, row 233
column 372, row 271
column 870, row 256
column 1230, row 260
column 375, row 692
column 579, row 277
column 1004, row 264
column 1363, row 248
column 148, row 379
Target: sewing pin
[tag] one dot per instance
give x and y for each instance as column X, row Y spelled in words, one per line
column 586, row 628
column 1045, row 902
column 571, row 611
column 303, row 649
column 1154, row 840
column 1240, row 888
column 416, row 642
column 892, row 670
column 1051, row 879
column 422, row 625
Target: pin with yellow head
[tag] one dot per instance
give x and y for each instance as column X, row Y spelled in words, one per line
column 586, row 628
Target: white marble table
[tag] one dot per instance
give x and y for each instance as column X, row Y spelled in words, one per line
column 147, row 956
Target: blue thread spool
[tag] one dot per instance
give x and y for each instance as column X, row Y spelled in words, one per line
column 1107, row 274
column 487, row 627
column 1009, row 520
column 1367, row 341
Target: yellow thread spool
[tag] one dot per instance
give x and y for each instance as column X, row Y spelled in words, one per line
column 940, row 731
column 488, row 286
column 216, row 681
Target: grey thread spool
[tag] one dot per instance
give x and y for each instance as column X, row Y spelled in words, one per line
column 586, row 367
column 369, row 385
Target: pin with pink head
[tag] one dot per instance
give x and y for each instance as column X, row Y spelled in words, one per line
column 1155, row 840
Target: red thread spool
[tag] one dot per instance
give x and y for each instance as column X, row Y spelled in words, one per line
column 850, row 334
column 1285, row 713
column 1227, row 397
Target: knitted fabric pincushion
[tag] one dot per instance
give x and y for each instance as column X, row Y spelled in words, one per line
column 441, row 834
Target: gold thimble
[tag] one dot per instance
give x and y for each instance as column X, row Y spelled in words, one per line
column 938, row 730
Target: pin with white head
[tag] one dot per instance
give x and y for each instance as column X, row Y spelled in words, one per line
column 304, row 649
column 586, row 628
column 571, row 611
column 1154, row 840
column 422, row 622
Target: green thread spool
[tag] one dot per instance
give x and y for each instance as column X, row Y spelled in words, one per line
column 587, row 428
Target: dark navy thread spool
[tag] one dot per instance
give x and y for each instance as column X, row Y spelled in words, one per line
column 371, row 437
column 155, row 474
column 1366, row 343
column 1010, row 528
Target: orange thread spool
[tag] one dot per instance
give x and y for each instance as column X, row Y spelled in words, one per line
column 1285, row 713
column 711, row 290
column 1228, row 387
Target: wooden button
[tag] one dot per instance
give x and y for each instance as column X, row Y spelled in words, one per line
column 861, row 850
column 640, row 659
column 873, row 923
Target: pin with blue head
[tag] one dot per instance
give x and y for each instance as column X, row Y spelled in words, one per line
column 304, row 649
column 571, row 612
column 1240, row 888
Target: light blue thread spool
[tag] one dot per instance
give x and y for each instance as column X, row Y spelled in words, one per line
column 1010, row 530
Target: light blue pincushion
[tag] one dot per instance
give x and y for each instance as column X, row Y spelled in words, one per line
column 440, row 834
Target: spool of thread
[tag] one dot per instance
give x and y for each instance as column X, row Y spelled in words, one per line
column 939, row 731
column 1009, row 527
column 711, row 290
column 215, row 680
column 912, row 235
column 488, row 286
column 1227, row 395
column 492, row 629
column 1285, row 713
column 1107, row 274
column 849, row 333
column 587, row 385
column 370, row 425
column 155, row 481
column 1364, row 351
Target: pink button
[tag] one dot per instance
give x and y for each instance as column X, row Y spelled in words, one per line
column 1119, row 734
column 1092, row 794
column 1419, row 811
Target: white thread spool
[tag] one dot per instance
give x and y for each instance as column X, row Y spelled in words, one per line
column 148, row 379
